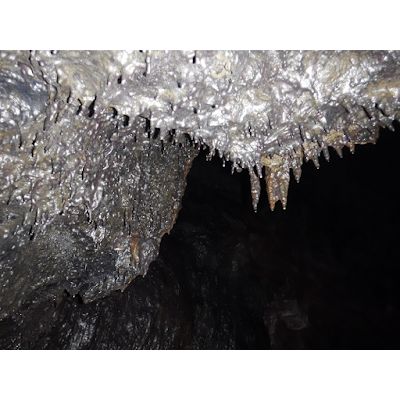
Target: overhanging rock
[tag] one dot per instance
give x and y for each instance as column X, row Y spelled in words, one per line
column 95, row 147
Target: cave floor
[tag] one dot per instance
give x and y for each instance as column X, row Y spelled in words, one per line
column 324, row 274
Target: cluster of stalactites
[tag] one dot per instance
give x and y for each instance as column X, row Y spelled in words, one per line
column 360, row 125
column 275, row 168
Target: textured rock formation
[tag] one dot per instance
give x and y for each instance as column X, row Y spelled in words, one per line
column 95, row 147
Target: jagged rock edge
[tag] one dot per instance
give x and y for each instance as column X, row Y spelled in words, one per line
column 347, row 133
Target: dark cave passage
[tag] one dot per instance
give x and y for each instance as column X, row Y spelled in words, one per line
column 323, row 274
column 326, row 269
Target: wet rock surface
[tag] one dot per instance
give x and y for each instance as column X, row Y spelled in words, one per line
column 82, row 250
column 324, row 274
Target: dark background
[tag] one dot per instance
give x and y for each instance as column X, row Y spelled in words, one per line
column 333, row 255
column 323, row 274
